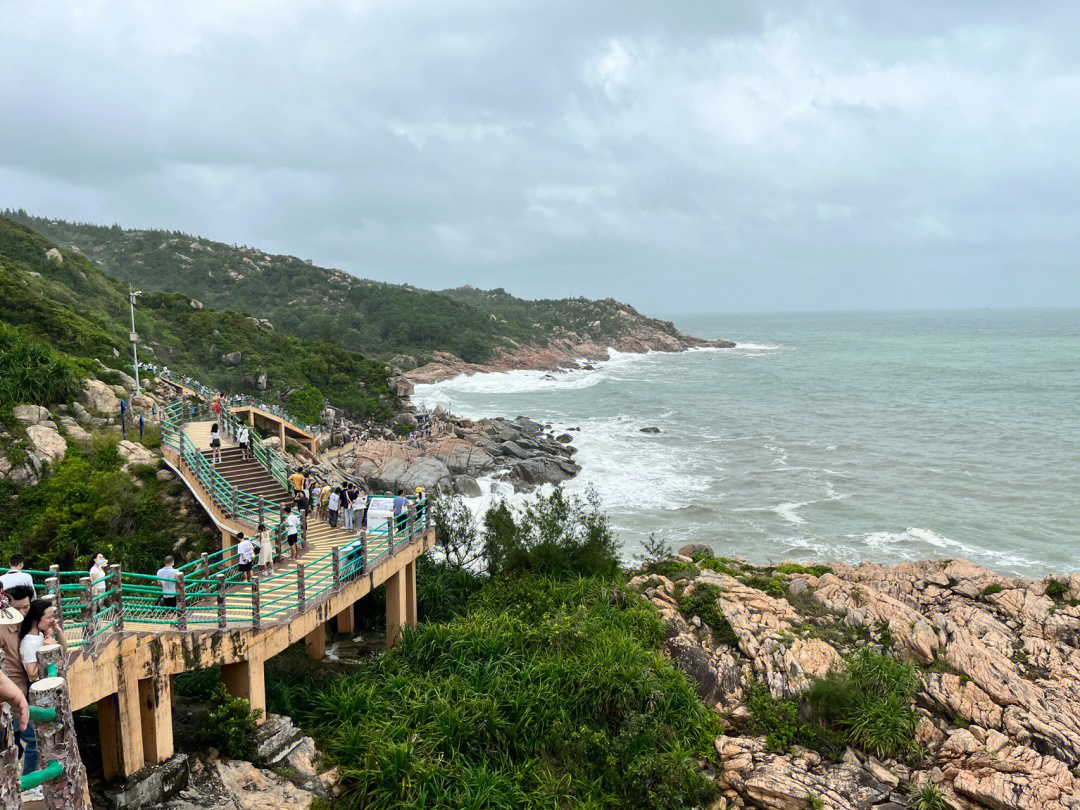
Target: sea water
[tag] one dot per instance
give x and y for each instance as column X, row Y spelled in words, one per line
column 871, row 436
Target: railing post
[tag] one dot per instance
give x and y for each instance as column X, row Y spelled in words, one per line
column 87, row 610
column 412, row 520
column 390, row 526
column 181, row 602
column 261, row 499
column 280, row 540
column 335, row 553
column 52, row 587
column 363, row 550
column 303, row 536
column 117, row 597
column 205, row 565
column 300, row 600
column 427, row 513
column 235, row 507
column 222, row 622
column 256, row 607
column 56, row 737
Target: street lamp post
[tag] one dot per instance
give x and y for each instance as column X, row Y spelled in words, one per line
column 132, row 295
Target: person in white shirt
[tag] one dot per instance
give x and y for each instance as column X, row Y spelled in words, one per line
column 266, row 550
column 245, row 551
column 333, row 503
column 167, row 576
column 16, row 576
column 292, row 533
column 243, row 436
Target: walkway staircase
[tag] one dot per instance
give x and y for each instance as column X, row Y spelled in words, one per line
column 246, row 474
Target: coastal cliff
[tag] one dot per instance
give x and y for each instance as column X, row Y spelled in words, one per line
column 994, row 714
column 568, row 350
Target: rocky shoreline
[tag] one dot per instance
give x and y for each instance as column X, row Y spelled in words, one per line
column 521, row 452
column 566, row 352
column 997, row 707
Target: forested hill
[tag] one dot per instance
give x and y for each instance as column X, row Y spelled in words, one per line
column 60, row 299
column 315, row 303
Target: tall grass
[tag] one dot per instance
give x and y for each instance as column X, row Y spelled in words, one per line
column 32, row 372
column 542, row 694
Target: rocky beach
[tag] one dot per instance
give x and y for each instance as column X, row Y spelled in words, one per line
column 997, row 718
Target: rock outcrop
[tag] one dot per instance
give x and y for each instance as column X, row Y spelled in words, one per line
column 998, row 661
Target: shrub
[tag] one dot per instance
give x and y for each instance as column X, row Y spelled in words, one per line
column 781, row 722
column 1056, row 589
column 701, row 602
column 456, row 533
column 870, row 701
column 992, row 588
column 403, row 428
column 200, row 683
column 544, row 693
column 926, row 797
column 554, row 534
column 718, row 564
column 230, row 724
column 813, row 570
column 443, row 590
column 672, row 569
column 774, row 586
column 306, row 404
column 814, row 802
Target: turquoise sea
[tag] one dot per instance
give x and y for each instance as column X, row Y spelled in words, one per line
column 881, row 435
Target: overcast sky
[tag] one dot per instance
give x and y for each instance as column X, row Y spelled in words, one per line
column 683, row 156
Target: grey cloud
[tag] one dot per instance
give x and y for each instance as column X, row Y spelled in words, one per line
column 764, row 156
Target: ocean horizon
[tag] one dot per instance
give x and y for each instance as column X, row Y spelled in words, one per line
column 884, row 435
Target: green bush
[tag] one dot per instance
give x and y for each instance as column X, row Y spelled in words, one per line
column 992, row 588
column 782, row 724
column 554, row 534
column 701, row 602
column 774, row 586
column 443, row 590
column 813, row 570
column 1056, row 589
column 544, row 693
column 927, row 796
column 403, row 428
column 200, row 683
column 718, row 564
column 32, row 372
column 230, row 724
column 306, row 404
column 672, row 569
column 870, row 701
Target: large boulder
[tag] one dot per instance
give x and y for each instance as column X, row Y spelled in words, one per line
column 97, row 397
column 231, row 359
column 54, row 255
column 466, row 485
column 429, row 473
column 537, row 471
column 133, row 454
column 46, row 444
column 31, row 414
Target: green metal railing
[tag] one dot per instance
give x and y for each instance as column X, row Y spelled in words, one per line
column 212, row 593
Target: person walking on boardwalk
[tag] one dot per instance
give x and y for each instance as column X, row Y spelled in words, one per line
column 347, row 506
column 15, row 575
column 333, row 504
column 215, row 443
column 243, row 436
column 167, row 576
column 324, row 501
column 97, row 587
column 292, row 533
column 245, row 552
column 266, row 549
column 296, row 480
column 401, row 505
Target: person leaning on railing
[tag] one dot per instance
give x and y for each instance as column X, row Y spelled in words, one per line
column 14, row 682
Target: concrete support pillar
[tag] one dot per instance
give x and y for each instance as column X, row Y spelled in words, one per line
column 410, row 594
column 245, row 679
column 155, row 701
column 120, row 728
column 395, row 607
column 251, row 417
column 226, row 539
column 282, row 426
column 315, row 642
column 346, row 620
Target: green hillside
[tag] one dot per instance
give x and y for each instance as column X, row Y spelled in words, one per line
column 75, row 308
column 315, row 303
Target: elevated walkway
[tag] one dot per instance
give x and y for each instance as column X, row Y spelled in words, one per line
column 126, row 644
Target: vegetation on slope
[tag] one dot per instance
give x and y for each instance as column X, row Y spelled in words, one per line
column 88, row 504
column 532, row 691
column 320, row 304
column 75, row 308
